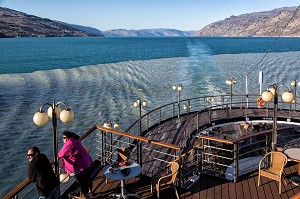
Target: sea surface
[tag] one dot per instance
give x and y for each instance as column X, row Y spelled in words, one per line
column 101, row 78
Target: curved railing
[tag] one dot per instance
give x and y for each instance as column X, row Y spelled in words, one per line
column 230, row 159
column 14, row 193
column 206, row 107
column 220, row 157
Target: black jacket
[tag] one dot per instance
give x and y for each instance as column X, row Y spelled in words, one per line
column 41, row 172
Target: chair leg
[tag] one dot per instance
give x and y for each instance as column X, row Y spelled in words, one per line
column 279, row 187
column 283, row 177
column 258, row 183
column 177, row 196
column 151, row 188
column 284, row 181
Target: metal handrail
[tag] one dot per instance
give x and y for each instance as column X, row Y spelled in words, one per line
column 236, row 149
column 149, row 119
column 13, row 193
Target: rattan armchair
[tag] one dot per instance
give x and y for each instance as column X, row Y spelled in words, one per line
column 164, row 180
column 272, row 166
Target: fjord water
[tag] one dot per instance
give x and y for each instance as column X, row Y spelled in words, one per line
column 100, row 79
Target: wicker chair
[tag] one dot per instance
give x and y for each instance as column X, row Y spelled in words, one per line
column 271, row 166
column 160, row 180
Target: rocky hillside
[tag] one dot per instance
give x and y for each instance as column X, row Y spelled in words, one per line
column 83, row 28
column 268, row 23
column 18, row 24
column 147, row 33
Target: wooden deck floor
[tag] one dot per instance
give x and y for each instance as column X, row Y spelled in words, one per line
column 208, row 187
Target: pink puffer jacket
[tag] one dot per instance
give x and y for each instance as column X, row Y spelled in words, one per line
column 74, row 156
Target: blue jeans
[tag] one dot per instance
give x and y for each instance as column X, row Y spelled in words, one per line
column 54, row 194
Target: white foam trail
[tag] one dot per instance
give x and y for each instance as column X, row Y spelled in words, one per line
column 107, row 91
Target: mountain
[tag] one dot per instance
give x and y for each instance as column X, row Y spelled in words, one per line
column 18, row 24
column 137, row 33
column 82, row 28
column 147, row 32
column 268, row 23
column 282, row 21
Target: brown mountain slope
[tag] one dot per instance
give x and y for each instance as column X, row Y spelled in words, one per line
column 18, row 24
column 268, row 23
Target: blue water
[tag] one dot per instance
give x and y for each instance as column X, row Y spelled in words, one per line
column 100, row 78
column 25, row 55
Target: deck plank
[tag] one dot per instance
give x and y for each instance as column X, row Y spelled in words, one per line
column 208, row 187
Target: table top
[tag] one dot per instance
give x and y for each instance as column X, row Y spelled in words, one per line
column 293, row 153
column 135, row 169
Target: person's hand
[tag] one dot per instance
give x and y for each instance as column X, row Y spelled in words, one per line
column 122, row 163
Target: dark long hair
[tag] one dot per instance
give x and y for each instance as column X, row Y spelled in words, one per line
column 70, row 134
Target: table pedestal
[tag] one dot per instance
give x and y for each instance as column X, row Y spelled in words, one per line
column 123, row 194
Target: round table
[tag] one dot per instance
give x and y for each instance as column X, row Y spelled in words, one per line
column 294, row 155
column 135, row 170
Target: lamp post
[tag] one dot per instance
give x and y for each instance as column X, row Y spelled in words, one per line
column 230, row 82
column 294, row 84
column 40, row 118
column 267, row 96
column 187, row 107
column 108, row 124
column 179, row 88
column 139, row 104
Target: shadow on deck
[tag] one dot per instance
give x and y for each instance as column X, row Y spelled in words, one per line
column 208, row 187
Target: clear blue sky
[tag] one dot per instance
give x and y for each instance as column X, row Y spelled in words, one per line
column 143, row 14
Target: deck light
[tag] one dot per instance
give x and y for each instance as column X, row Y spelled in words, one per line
column 187, row 107
column 294, row 84
column 57, row 111
column 40, row 118
column 138, row 104
column 267, row 96
column 64, row 177
column 231, row 82
column 109, row 124
column 179, row 88
column 272, row 94
column 67, row 115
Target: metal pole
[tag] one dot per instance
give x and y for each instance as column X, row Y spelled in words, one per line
column 260, row 82
column 295, row 97
column 55, row 143
column 274, row 132
column 140, row 134
column 231, row 95
column 247, row 92
column 178, row 103
column 236, row 162
column 102, row 146
column 55, row 140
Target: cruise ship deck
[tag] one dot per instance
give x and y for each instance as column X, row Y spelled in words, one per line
column 206, row 187
column 219, row 146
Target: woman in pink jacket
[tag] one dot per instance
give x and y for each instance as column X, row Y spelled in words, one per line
column 76, row 160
